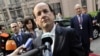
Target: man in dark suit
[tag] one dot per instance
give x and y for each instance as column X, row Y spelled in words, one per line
column 84, row 11
column 83, row 26
column 18, row 36
column 65, row 41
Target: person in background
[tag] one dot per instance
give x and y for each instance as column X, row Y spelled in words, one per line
column 84, row 11
column 97, row 17
column 59, row 16
column 83, row 26
column 4, row 36
column 97, row 20
column 20, row 38
column 21, row 25
column 30, row 26
column 2, row 29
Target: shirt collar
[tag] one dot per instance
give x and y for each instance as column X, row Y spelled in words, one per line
column 79, row 16
column 53, row 29
column 19, row 33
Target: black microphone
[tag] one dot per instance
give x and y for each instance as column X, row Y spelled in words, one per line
column 46, row 41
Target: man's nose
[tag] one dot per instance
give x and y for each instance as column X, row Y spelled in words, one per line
column 78, row 10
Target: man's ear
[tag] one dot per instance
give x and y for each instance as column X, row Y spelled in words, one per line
column 35, row 21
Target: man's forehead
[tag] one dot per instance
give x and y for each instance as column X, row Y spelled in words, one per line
column 39, row 5
column 77, row 6
column 13, row 24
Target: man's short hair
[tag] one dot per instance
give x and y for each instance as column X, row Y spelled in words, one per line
column 13, row 22
column 48, row 6
column 84, row 7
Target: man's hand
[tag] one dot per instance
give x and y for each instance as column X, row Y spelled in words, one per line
column 15, row 53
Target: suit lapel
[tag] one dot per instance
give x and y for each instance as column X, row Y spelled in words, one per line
column 77, row 21
column 58, row 39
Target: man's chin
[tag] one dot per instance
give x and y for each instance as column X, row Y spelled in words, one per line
column 46, row 25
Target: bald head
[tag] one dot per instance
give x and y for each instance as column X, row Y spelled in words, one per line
column 39, row 4
column 42, row 4
column 43, row 15
column 78, row 8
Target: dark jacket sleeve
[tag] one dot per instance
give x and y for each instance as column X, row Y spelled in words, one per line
column 71, row 23
column 76, row 48
column 90, row 28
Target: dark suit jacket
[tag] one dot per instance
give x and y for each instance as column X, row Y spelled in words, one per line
column 66, row 43
column 86, row 32
column 24, row 39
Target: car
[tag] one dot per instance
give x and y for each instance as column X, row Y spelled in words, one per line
column 63, row 22
column 96, row 30
column 66, row 23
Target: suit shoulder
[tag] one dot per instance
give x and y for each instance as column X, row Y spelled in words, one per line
column 68, row 29
column 73, row 17
column 12, row 37
column 86, row 15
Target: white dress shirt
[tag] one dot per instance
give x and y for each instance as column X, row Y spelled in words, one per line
column 53, row 37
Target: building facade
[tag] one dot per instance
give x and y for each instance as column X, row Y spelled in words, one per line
column 12, row 9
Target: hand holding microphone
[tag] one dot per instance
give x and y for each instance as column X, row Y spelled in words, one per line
column 16, row 52
column 27, row 45
column 46, row 43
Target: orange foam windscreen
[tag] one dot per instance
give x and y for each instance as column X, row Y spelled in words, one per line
column 5, row 35
column 10, row 45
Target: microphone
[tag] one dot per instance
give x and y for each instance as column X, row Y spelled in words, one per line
column 46, row 37
column 10, row 45
column 46, row 40
column 4, row 35
column 28, row 43
column 26, row 46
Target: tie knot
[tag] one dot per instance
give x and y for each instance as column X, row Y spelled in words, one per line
column 18, row 35
column 79, row 15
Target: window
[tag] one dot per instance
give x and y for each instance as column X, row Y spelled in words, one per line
column 83, row 2
column 20, row 13
column 56, row 7
column 1, row 3
column 14, row 1
column 6, row 15
column 13, row 14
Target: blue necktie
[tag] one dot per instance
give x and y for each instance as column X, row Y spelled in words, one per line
column 19, row 39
